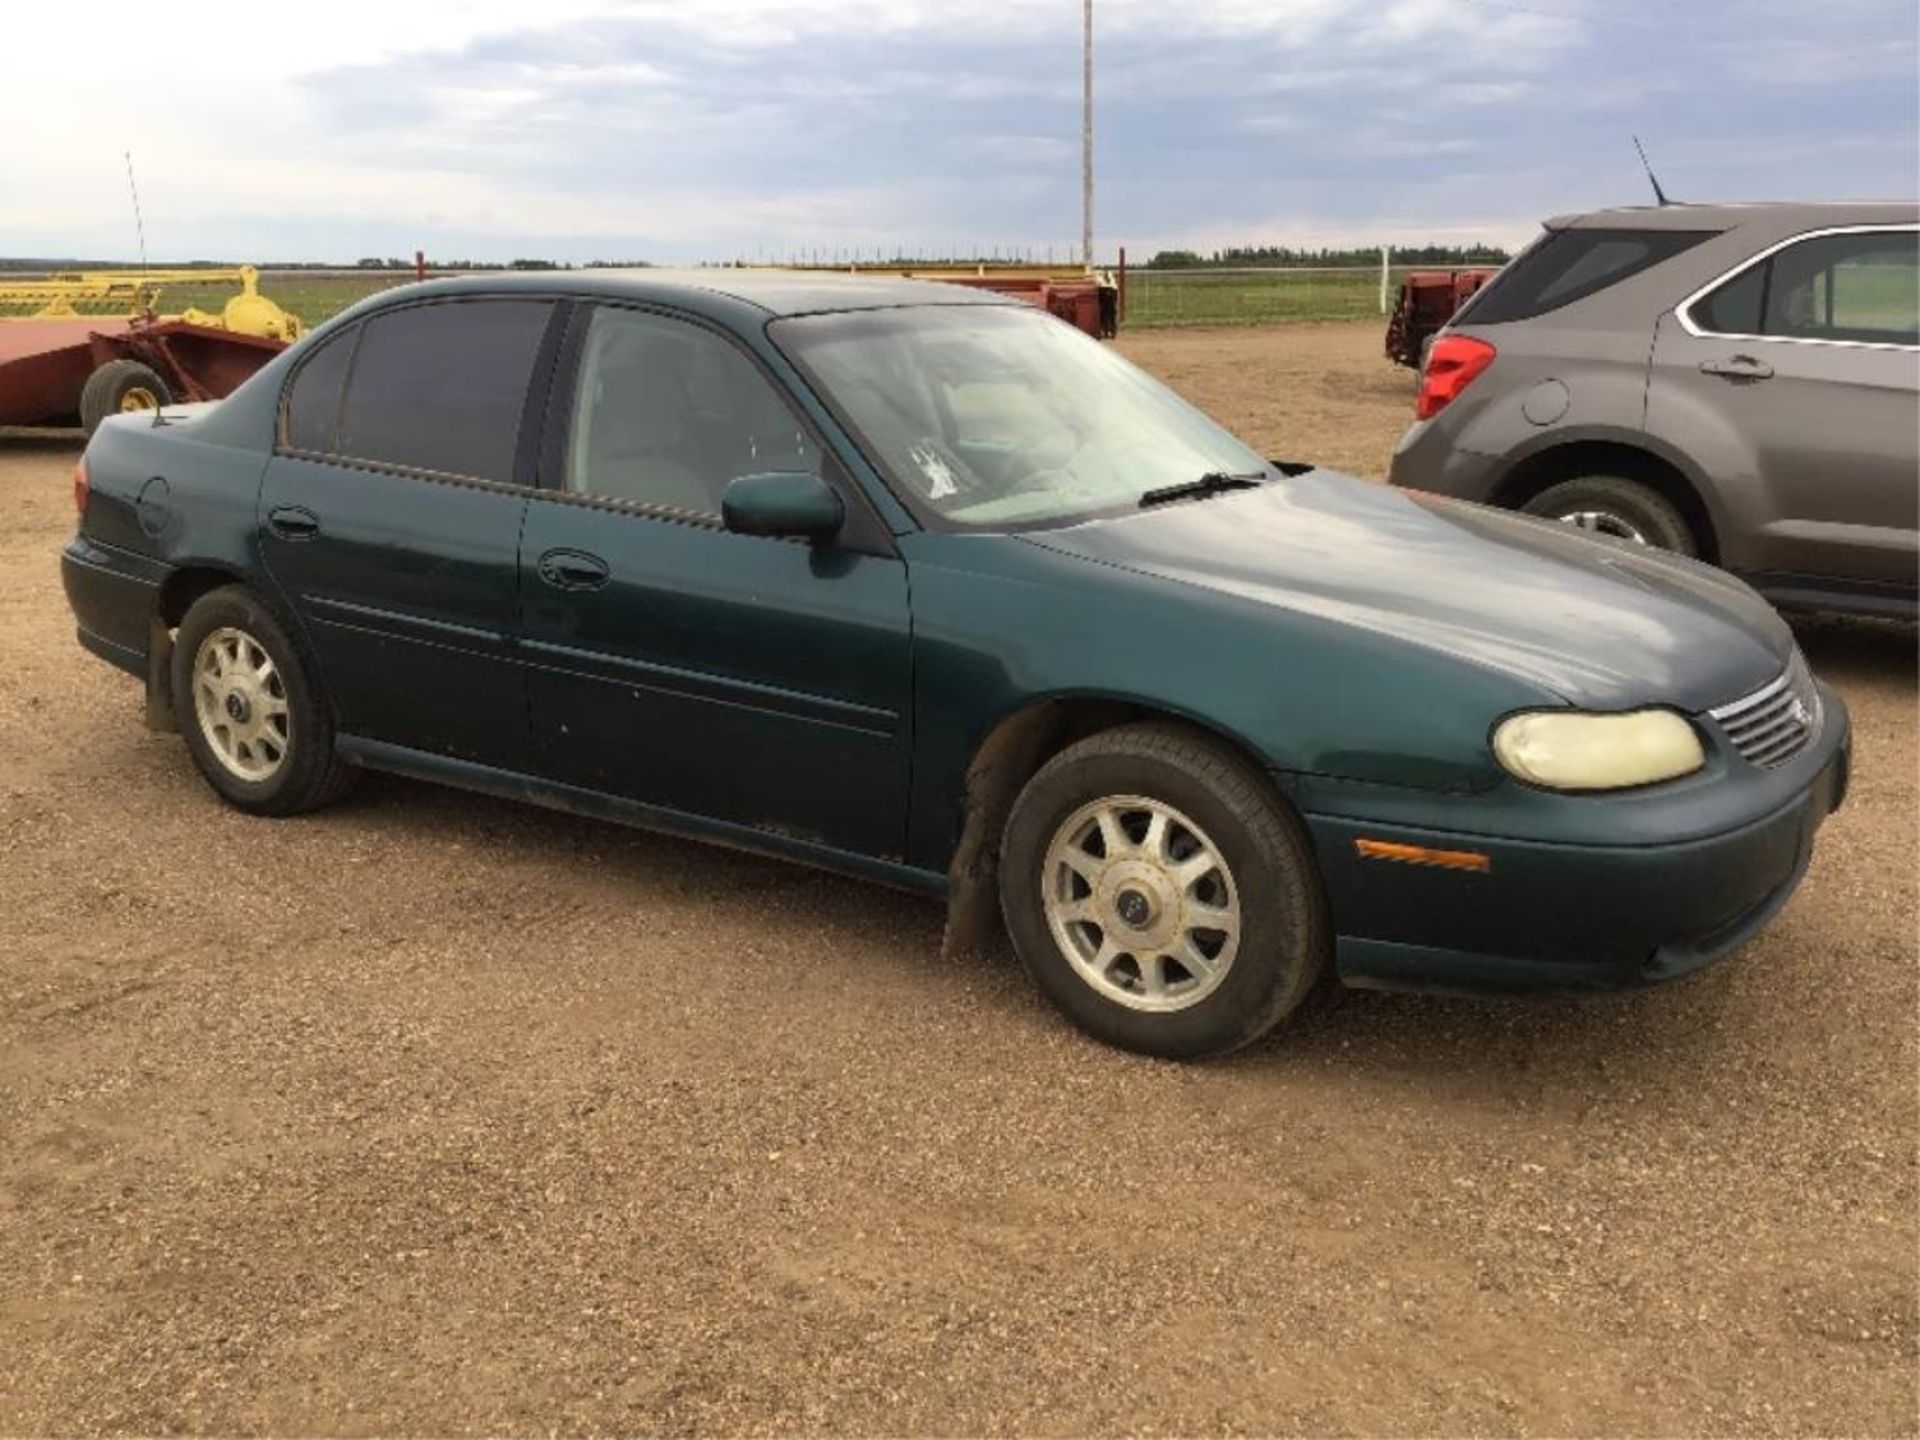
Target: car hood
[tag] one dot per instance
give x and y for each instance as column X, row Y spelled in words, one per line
column 1597, row 623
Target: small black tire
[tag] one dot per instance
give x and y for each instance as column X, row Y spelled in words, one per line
column 1284, row 935
column 277, row 756
column 1623, row 509
column 117, row 387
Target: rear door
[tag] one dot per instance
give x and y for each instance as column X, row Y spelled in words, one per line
column 757, row 681
column 1809, row 357
column 390, row 518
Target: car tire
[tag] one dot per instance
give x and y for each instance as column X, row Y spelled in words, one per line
column 1113, row 838
column 1613, row 506
column 120, row 386
column 246, row 703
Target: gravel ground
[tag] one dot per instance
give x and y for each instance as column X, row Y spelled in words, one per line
column 435, row 1114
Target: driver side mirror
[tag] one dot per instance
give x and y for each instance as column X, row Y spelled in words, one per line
column 790, row 504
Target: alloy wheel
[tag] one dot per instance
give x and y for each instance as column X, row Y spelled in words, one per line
column 1141, row 903
column 1605, row 522
column 241, row 703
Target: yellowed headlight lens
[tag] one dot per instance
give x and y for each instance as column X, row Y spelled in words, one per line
column 1569, row 750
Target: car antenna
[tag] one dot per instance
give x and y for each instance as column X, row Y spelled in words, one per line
column 1659, row 195
column 140, row 231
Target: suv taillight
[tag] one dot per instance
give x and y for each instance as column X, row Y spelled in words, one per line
column 80, row 488
column 1453, row 363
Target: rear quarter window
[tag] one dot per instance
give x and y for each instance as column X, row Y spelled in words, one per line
column 1568, row 265
column 313, row 404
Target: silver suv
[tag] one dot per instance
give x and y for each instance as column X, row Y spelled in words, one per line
column 1736, row 382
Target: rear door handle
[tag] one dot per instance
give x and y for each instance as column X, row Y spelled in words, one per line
column 293, row 522
column 573, row 570
column 1737, row 367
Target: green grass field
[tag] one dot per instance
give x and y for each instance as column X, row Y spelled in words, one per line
column 1155, row 298
column 1159, row 298
column 312, row 297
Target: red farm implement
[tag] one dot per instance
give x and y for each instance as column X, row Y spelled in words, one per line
column 1428, row 299
column 59, row 366
column 1088, row 300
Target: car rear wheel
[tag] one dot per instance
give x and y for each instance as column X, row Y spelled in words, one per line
column 1160, row 894
column 119, row 387
column 1623, row 509
column 253, row 722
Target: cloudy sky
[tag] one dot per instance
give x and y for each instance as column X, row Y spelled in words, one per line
column 712, row 129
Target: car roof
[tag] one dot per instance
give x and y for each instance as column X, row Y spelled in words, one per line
column 718, row 291
column 1785, row 216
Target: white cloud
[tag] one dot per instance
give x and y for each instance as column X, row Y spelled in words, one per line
column 694, row 128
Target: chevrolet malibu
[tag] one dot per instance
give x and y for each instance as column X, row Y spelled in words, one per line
column 920, row 584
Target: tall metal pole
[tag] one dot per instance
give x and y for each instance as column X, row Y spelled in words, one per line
column 1086, row 132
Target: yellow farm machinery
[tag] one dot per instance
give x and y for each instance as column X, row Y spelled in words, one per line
column 83, row 345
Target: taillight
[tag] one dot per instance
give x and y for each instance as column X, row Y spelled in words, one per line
column 80, row 487
column 1453, row 363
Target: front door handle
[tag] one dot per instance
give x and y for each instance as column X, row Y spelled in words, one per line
column 1737, row 367
column 573, row 570
column 293, row 522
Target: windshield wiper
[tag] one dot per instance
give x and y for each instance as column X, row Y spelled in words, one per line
column 1214, row 482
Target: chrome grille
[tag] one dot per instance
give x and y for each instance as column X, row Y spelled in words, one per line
column 1777, row 721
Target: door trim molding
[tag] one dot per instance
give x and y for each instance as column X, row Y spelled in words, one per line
column 617, row 669
column 515, row 785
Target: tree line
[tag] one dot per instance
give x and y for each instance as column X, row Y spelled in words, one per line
column 1282, row 257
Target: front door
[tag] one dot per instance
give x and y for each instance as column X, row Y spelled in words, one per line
column 390, row 519
column 757, row 681
column 1809, row 355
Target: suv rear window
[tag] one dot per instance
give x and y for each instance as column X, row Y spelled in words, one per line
column 1563, row 266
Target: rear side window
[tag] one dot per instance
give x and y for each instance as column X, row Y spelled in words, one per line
column 1568, row 265
column 313, row 405
column 441, row 387
column 1859, row 288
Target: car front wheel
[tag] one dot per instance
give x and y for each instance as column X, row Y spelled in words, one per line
column 1160, row 894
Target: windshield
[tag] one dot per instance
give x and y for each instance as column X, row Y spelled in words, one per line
column 988, row 417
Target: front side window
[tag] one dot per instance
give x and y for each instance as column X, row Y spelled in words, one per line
column 1858, row 288
column 441, row 387
column 1568, row 265
column 1002, row 417
column 668, row 414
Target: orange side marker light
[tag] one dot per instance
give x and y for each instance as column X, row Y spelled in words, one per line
column 1421, row 855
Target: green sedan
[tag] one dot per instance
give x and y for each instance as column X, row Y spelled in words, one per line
column 920, row 584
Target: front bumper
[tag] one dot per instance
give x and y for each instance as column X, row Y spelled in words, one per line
column 1571, row 917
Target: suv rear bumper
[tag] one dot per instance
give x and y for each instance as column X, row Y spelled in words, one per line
column 1428, row 458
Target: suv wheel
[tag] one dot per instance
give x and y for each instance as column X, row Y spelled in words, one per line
column 1160, row 894
column 1623, row 509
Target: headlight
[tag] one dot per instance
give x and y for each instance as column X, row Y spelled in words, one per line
column 1568, row 750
